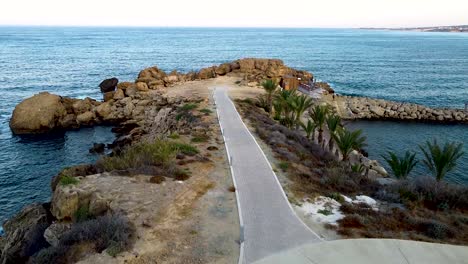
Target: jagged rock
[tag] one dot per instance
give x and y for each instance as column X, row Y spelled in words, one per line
column 119, row 94
column 74, row 171
column 38, row 114
column 108, row 85
column 223, row 69
column 97, row 204
column 206, row 73
column 24, row 234
column 55, row 231
column 131, row 91
column 246, row 65
column 81, row 106
column 124, row 85
column 141, row 86
column 171, row 79
column 108, row 96
column 65, row 202
column 86, row 118
column 97, row 148
column 104, row 110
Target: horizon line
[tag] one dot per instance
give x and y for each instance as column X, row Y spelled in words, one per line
column 223, row 27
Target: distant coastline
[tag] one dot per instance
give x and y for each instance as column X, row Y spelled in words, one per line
column 459, row 28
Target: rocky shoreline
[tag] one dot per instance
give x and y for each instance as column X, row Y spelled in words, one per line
column 138, row 110
column 142, row 110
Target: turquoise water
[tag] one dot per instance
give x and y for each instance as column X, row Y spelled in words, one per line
column 400, row 137
column 425, row 68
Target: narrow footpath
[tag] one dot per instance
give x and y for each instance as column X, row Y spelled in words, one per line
column 268, row 222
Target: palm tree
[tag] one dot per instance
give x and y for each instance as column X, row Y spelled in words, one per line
column 319, row 114
column 401, row 166
column 277, row 110
column 333, row 123
column 309, row 128
column 348, row 141
column 301, row 103
column 288, row 105
column 270, row 87
column 441, row 160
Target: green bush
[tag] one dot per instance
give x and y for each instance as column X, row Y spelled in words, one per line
column 186, row 149
column 157, row 153
column 283, row 165
column 337, row 197
column 206, row 111
column 325, row 212
column 200, row 138
column 174, row 136
column 68, row 180
column 188, row 107
column 82, row 214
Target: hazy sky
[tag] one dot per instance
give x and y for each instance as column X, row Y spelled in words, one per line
column 241, row 13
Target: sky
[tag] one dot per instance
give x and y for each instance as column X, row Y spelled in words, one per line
column 237, row 13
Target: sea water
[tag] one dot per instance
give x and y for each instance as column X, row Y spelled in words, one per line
column 424, row 68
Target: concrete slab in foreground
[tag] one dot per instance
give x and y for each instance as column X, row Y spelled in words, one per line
column 371, row 251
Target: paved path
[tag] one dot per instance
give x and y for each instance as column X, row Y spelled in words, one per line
column 371, row 251
column 269, row 223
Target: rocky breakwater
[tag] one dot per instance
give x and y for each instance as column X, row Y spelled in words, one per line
column 351, row 107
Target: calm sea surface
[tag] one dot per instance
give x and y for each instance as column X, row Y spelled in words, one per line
column 425, row 68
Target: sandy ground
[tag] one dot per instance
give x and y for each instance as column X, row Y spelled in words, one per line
column 194, row 221
column 199, row 88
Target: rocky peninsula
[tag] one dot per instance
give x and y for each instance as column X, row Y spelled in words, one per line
column 182, row 208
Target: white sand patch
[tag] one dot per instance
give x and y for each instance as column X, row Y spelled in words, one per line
column 327, row 210
column 366, row 200
column 322, row 210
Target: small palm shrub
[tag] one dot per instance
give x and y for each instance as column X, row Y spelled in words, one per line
column 401, row 166
column 333, row 123
column 301, row 104
column 270, row 87
column 358, row 168
column 309, row 128
column 319, row 114
column 441, row 161
column 348, row 141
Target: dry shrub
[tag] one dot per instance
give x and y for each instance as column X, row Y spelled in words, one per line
column 157, row 179
column 113, row 233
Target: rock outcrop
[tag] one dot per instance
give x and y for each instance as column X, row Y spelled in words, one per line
column 251, row 69
column 41, row 113
column 24, row 234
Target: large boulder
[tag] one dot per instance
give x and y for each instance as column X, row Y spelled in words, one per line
column 207, row 73
column 223, row 69
column 108, row 85
column 38, row 114
column 24, row 234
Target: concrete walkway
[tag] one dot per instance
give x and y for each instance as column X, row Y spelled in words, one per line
column 268, row 223
column 371, row 251
column 271, row 233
